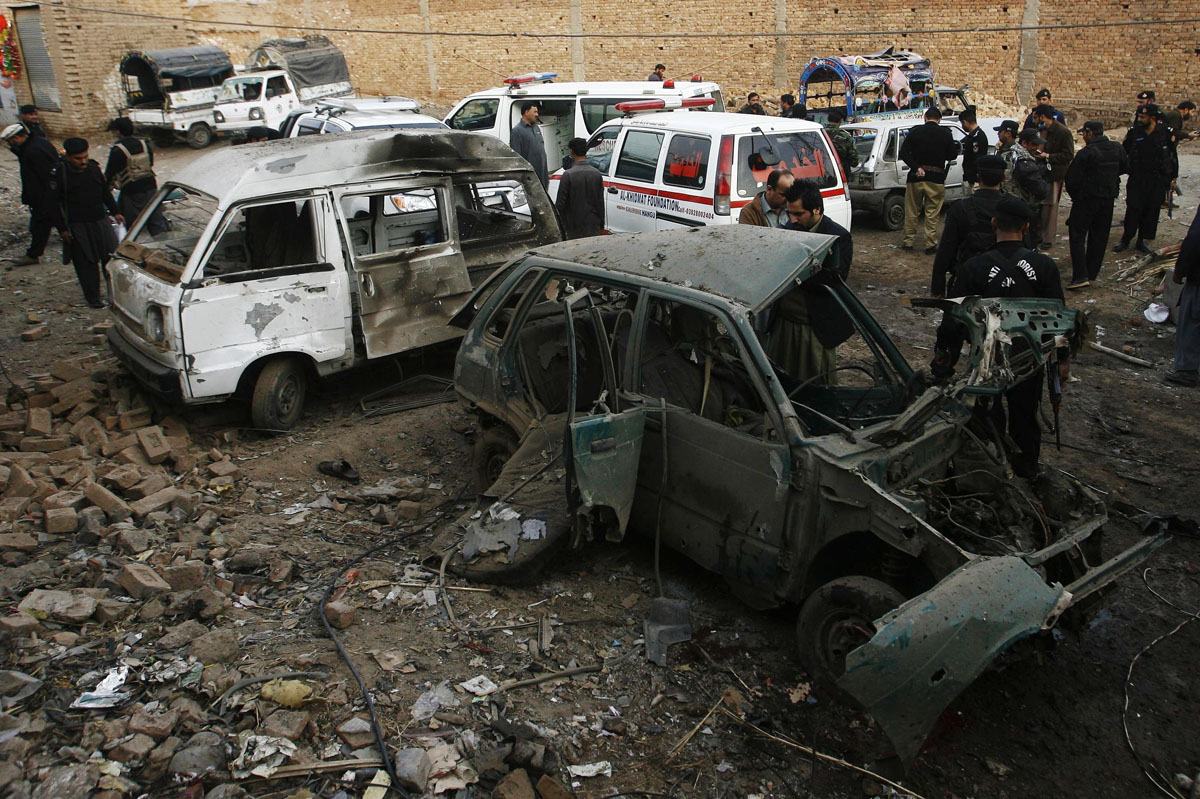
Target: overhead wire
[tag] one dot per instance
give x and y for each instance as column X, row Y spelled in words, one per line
column 632, row 34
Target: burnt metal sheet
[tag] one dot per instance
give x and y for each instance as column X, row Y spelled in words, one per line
column 606, row 451
column 928, row 650
column 744, row 263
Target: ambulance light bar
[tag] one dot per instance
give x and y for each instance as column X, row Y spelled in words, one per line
column 663, row 104
column 530, row 77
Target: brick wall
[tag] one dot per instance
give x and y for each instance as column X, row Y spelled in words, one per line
column 1091, row 71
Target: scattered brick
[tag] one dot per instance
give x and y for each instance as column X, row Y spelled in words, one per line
column 133, row 541
column 147, row 486
column 35, row 333
column 340, row 614
column 39, row 423
column 61, row 520
column 140, row 581
column 132, row 420
column 20, row 484
column 154, row 444
column 156, row 501
column 19, row 624
column 44, row 444
column 69, row 454
column 114, row 507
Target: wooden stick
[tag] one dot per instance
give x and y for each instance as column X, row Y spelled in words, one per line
column 1119, row 355
column 827, row 758
column 678, row 747
column 511, row 684
column 297, row 769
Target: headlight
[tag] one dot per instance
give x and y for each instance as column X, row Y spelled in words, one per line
column 518, row 197
column 218, row 116
column 256, row 113
column 154, row 324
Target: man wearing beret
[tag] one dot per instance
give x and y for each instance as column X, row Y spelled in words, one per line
column 1093, row 181
column 84, row 203
column 1012, row 270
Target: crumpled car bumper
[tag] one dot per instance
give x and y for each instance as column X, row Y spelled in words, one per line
column 925, row 652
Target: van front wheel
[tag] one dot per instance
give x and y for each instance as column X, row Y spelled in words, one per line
column 278, row 399
column 199, row 136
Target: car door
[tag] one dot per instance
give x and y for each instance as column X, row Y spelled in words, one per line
column 631, row 198
column 271, row 282
column 710, row 452
column 954, row 175
column 407, row 262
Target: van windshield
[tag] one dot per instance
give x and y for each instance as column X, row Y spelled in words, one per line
column 238, row 90
column 803, row 152
column 173, row 227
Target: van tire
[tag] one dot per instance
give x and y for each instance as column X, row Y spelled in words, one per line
column 199, row 136
column 278, row 399
column 891, row 215
column 493, row 447
column 835, row 620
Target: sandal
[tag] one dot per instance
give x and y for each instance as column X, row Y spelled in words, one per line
column 340, row 469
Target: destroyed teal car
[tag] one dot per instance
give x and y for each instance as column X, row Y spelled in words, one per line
column 627, row 382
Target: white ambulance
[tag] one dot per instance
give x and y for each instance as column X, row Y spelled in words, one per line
column 667, row 167
column 565, row 110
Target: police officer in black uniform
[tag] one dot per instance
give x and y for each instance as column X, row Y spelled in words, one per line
column 1148, row 144
column 968, row 231
column 1010, row 269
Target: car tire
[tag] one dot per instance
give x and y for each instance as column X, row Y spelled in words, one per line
column 199, row 136
column 835, row 620
column 278, row 399
column 493, row 447
column 891, row 215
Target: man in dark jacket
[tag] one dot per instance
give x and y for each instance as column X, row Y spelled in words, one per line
column 806, row 210
column 974, row 145
column 526, row 139
column 968, row 230
column 83, row 204
column 31, row 120
column 1057, row 153
column 38, row 160
column 580, row 200
column 928, row 150
column 753, row 105
column 1187, row 325
column 1093, row 181
column 1008, row 270
column 1148, row 146
column 130, row 169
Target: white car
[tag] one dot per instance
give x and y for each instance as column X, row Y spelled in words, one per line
column 877, row 183
column 342, row 116
column 678, row 168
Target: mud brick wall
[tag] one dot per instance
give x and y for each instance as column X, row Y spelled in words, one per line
column 1093, row 71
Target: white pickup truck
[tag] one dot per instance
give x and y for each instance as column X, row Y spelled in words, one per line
column 170, row 93
column 282, row 75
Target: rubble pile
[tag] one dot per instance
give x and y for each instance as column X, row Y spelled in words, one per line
column 142, row 624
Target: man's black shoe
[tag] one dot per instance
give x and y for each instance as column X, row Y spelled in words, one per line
column 1144, row 248
column 1189, row 379
column 933, row 249
column 1121, row 246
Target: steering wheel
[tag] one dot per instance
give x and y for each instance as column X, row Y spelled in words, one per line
column 843, row 368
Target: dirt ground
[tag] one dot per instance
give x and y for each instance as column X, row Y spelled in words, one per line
column 1050, row 726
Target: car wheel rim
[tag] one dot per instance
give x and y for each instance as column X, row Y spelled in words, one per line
column 843, row 634
column 288, row 397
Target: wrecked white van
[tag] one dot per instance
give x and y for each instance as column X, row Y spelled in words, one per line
column 300, row 258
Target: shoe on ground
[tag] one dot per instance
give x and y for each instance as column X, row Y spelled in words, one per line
column 1078, row 284
column 1121, row 246
column 97, row 304
column 931, row 250
column 1045, row 245
column 1142, row 247
column 906, row 247
column 1190, row 379
column 26, row 260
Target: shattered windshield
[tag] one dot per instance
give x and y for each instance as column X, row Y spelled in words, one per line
column 187, row 213
column 237, row 90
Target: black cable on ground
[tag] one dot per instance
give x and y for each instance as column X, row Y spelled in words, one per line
column 388, row 765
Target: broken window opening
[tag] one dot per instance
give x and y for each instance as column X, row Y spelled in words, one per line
column 263, row 237
column 392, row 221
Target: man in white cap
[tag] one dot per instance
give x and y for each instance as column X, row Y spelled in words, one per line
column 38, row 160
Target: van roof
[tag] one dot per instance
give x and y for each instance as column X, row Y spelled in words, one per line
column 908, row 122
column 291, row 165
column 602, row 88
column 712, row 124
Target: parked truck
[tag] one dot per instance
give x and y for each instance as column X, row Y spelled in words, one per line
column 282, row 75
column 170, row 93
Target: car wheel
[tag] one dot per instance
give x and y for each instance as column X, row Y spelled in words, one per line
column 892, row 214
column 278, row 399
column 837, row 619
column 493, row 447
column 199, row 136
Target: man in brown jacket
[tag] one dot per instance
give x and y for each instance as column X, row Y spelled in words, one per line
column 1058, row 152
column 769, row 206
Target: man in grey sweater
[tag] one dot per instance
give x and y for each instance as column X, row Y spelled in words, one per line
column 526, row 139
